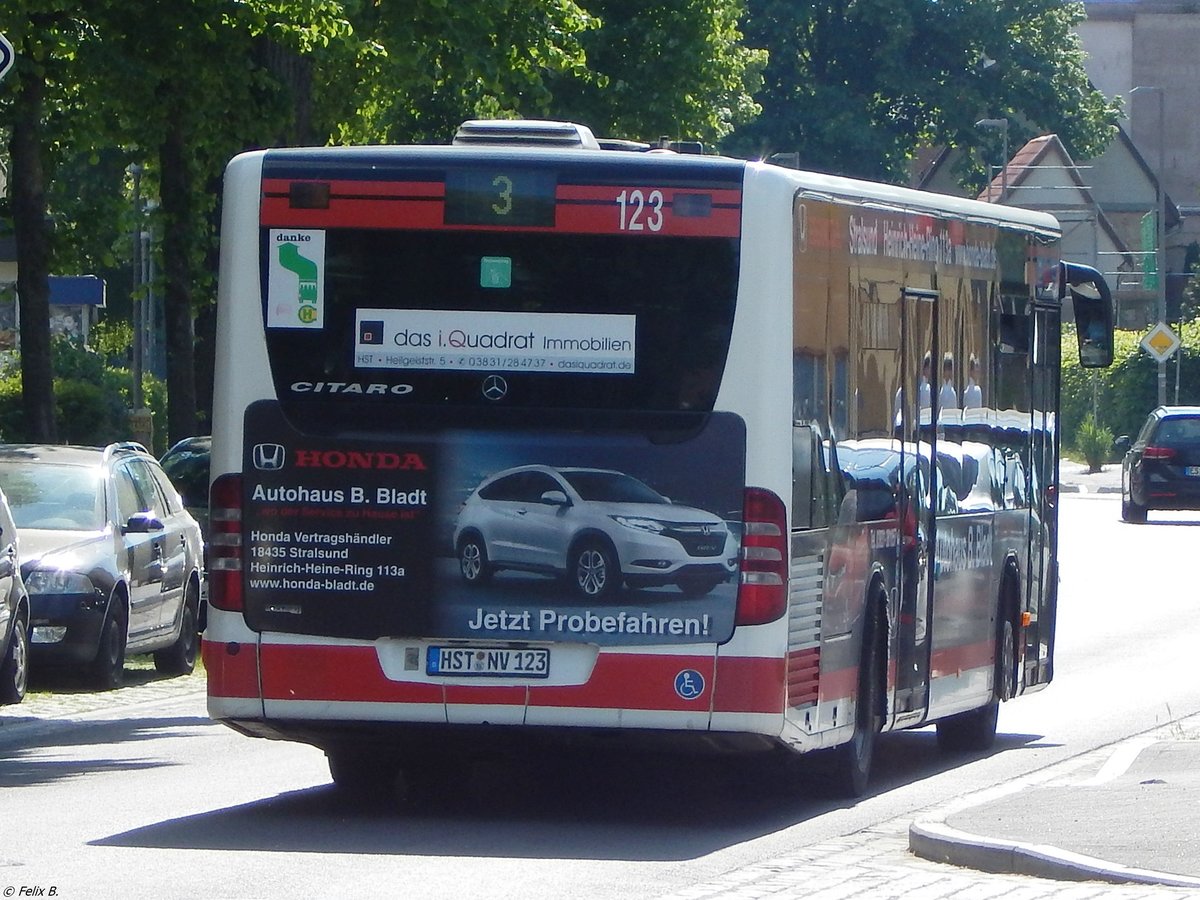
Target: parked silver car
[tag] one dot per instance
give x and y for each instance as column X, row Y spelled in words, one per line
column 110, row 557
column 14, row 613
column 596, row 527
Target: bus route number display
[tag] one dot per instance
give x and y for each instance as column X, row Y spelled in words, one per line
column 517, row 197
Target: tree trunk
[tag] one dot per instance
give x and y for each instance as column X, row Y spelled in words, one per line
column 175, row 193
column 28, row 187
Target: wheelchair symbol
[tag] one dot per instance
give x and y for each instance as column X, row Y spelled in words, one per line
column 689, row 684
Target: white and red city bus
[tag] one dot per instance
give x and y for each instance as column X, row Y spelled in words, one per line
column 562, row 440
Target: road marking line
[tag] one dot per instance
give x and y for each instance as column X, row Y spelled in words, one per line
column 1120, row 761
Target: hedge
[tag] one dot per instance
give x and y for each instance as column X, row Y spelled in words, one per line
column 91, row 399
column 1122, row 395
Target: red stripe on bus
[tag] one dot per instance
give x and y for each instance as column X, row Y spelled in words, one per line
column 485, row 695
column 749, row 684
column 409, row 214
column 631, row 681
column 342, row 189
column 291, row 672
column 420, row 206
column 232, row 669
column 955, row 660
column 605, row 219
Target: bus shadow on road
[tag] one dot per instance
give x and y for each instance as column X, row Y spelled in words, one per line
column 628, row 807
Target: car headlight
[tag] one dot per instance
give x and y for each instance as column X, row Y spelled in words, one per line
column 58, row 581
column 650, row 525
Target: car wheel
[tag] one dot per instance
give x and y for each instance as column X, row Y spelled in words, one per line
column 1131, row 512
column 180, row 657
column 473, row 559
column 108, row 668
column 594, row 570
column 14, row 671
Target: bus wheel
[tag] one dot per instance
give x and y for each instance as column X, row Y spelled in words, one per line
column 975, row 731
column 593, row 569
column 473, row 559
column 852, row 760
column 362, row 775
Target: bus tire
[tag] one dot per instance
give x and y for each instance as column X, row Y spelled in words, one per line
column 852, row 760
column 107, row 670
column 362, row 775
column 593, row 568
column 473, row 561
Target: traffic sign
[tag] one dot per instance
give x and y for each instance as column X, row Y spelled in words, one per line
column 6, row 56
column 1161, row 342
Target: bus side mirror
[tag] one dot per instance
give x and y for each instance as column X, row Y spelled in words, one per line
column 1092, row 303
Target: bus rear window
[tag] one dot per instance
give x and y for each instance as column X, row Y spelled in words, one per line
column 567, row 321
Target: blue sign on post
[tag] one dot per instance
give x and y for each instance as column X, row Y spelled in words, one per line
column 6, row 56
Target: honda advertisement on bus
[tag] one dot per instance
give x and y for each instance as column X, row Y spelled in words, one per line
column 615, row 538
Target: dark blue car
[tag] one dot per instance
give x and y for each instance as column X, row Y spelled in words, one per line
column 1161, row 469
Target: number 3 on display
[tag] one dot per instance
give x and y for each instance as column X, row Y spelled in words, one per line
column 504, row 189
column 640, row 211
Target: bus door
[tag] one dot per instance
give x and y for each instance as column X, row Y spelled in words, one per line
column 1043, row 508
column 915, row 488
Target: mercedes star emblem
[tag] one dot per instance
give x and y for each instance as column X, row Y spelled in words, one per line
column 494, row 387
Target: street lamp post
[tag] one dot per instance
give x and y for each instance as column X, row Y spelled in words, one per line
column 140, row 419
column 1160, row 250
column 135, row 394
column 1000, row 125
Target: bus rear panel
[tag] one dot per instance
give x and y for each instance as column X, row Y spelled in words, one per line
column 474, row 469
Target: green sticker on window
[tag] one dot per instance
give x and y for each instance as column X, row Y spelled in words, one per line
column 495, row 272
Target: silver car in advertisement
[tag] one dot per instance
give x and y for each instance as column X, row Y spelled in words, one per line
column 597, row 528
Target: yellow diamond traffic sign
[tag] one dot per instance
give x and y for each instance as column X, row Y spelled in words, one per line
column 1160, row 342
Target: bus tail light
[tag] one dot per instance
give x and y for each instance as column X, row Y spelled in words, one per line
column 225, row 544
column 762, row 589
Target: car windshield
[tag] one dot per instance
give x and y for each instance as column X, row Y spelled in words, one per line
column 612, row 487
column 53, row 497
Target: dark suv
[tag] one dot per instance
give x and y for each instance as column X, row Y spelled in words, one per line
column 1161, row 469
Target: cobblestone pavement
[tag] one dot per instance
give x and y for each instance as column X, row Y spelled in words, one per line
column 61, row 699
column 875, row 864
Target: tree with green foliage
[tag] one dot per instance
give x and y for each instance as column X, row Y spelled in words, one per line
column 855, row 86
column 677, row 68
column 43, row 34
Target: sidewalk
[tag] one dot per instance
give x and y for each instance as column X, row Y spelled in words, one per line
column 1073, row 477
column 1121, row 814
column 1125, row 813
